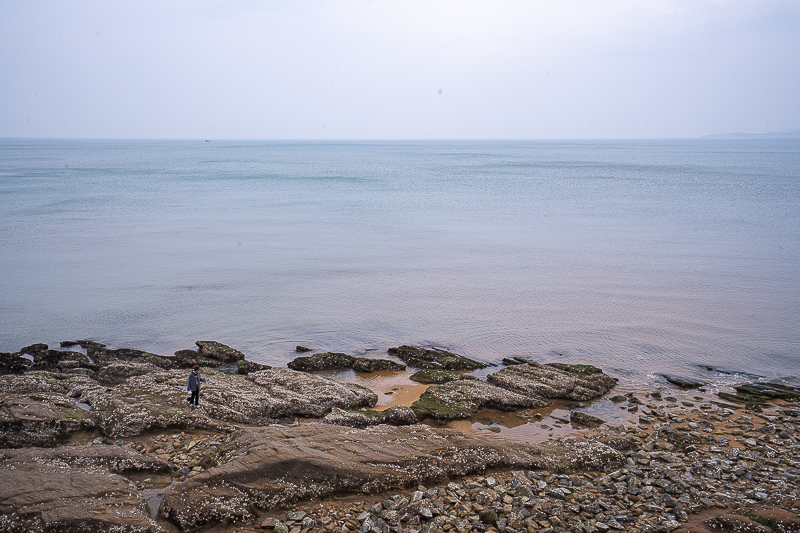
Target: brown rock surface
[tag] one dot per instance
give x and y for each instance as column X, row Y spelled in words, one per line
column 116, row 459
column 782, row 520
column 39, row 419
column 278, row 465
column 736, row 522
column 50, row 497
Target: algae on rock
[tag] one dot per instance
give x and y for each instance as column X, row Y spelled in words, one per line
column 434, row 358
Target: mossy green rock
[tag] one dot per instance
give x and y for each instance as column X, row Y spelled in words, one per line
column 432, row 375
column 338, row 361
column 398, row 415
column 220, row 352
column 434, row 358
column 245, row 367
column 578, row 370
column 322, row 361
column 365, row 364
column 465, row 397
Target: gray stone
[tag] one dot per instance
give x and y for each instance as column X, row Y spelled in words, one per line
column 583, row 419
column 683, row 382
column 544, row 383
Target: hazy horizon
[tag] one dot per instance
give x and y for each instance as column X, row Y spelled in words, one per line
column 409, row 70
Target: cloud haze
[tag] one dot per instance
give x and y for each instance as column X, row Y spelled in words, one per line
column 398, row 69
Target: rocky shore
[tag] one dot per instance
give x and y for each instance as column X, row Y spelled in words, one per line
column 95, row 439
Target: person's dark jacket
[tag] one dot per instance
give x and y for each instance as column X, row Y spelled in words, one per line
column 194, row 381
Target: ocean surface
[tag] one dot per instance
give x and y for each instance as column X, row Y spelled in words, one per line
column 637, row 256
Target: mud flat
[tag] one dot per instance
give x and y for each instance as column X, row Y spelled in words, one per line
column 96, row 439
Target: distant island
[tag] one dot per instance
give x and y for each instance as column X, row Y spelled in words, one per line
column 782, row 134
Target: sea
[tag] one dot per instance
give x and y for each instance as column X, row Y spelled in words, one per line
column 638, row 256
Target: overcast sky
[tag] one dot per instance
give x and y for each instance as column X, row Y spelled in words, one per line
column 352, row 69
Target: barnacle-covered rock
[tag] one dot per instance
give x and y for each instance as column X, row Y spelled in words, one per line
column 278, row 465
column 246, row 367
column 297, row 393
column 434, row 358
column 36, row 410
column 158, row 400
column 398, row 415
column 463, row 398
column 544, row 381
column 154, row 400
column 33, row 382
column 119, row 371
column 221, row 352
column 116, row 459
column 41, row 496
column 39, row 419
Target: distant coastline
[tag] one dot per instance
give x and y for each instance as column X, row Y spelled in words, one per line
column 782, row 134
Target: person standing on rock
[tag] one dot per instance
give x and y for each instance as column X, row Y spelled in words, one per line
column 194, row 386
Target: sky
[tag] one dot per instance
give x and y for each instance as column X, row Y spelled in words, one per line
column 403, row 69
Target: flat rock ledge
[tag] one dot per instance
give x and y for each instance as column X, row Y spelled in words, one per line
column 73, row 489
column 277, row 465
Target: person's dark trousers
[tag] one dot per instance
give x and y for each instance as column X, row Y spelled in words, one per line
column 195, row 397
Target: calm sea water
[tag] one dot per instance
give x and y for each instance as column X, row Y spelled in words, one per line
column 638, row 256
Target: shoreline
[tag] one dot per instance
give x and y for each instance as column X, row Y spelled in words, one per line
column 666, row 445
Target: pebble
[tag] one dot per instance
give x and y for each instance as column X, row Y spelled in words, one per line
column 184, row 452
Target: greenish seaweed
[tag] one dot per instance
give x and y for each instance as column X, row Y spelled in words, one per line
column 431, row 406
column 432, row 375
